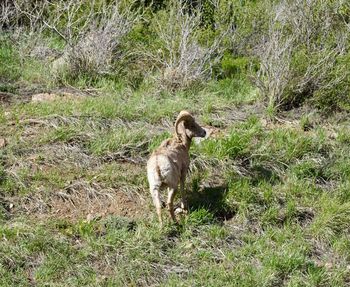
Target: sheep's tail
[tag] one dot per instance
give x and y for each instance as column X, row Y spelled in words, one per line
column 158, row 169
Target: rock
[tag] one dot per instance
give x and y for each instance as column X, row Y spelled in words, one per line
column 50, row 97
column 44, row 97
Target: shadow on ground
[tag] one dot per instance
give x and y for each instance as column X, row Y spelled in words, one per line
column 213, row 199
column 259, row 173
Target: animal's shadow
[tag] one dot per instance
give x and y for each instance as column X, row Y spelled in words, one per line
column 259, row 173
column 213, row 199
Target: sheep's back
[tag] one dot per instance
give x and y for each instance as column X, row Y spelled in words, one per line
column 163, row 170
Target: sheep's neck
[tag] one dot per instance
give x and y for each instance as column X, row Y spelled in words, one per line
column 186, row 141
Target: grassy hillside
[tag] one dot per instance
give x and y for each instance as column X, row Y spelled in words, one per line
column 269, row 189
column 269, row 200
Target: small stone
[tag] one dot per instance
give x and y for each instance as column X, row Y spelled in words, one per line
column 3, row 142
column 188, row 246
column 264, row 122
column 89, row 217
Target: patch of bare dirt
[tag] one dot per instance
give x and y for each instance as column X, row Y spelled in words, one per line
column 5, row 97
column 92, row 208
column 92, row 187
column 83, row 203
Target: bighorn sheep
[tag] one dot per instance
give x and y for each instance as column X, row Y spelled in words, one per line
column 168, row 164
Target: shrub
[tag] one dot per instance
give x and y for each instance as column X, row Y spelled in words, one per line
column 91, row 32
column 183, row 56
column 335, row 92
column 301, row 56
column 95, row 48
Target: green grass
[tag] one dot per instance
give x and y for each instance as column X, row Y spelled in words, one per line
column 115, row 252
column 269, row 202
column 31, row 73
column 10, row 62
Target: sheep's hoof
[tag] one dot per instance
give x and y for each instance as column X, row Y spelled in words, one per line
column 181, row 211
column 184, row 205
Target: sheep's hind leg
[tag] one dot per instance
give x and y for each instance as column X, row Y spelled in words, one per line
column 157, row 203
column 184, row 204
column 170, row 203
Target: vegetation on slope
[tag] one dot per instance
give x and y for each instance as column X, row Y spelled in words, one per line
column 269, row 189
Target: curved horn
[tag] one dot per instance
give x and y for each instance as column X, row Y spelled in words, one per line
column 183, row 116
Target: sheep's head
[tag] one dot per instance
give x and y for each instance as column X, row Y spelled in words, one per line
column 190, row 127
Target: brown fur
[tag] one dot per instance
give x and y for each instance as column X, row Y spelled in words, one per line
column 168, row 165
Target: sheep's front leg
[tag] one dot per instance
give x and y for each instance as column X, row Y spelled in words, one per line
column 170, row 203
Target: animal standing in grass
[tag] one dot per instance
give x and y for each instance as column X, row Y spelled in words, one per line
column 169, row 163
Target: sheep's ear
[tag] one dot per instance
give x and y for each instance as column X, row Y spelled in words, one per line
column 183, row 116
